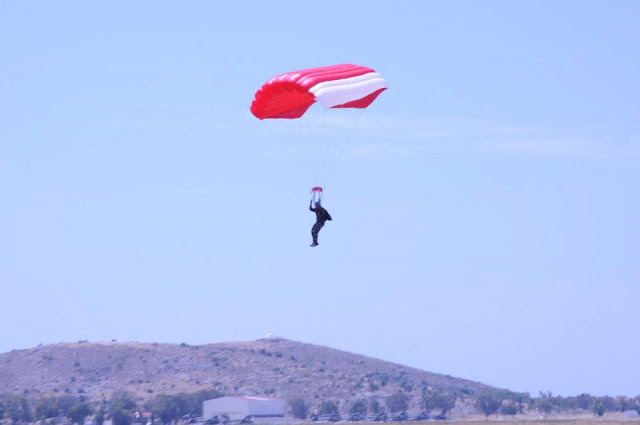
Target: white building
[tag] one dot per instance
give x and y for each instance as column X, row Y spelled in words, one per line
column 238, row 408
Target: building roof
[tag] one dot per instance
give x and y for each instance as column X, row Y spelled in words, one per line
column 246, row 397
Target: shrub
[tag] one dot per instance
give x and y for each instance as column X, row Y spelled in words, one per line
column 544, row 405
column 599, row 408
column 359, row 407
column 488, row 404
column 398, row 402
column 375, row 407
column 299, row 408
column 439, row 400
column 79, row 412
column 100, row 416
column 121, row 417
column 509, row 409
column 328, row 408
column 46, row 408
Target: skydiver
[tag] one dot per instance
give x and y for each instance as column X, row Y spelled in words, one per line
column 322, row 215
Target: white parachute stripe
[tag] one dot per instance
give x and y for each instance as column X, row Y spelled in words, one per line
column 344, row 81
column 341, row 94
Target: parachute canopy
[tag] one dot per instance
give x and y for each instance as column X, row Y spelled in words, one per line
column 316, row 194
column 289, row 95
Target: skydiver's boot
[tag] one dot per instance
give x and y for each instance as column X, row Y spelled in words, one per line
column 314, row 243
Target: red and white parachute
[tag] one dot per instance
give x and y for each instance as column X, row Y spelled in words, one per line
column 289, row 95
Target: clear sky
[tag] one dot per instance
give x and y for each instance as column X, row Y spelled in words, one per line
column 485, row 207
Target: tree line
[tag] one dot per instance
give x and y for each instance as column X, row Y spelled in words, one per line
column 438, row 404
column 122, row 408
column 20, row 409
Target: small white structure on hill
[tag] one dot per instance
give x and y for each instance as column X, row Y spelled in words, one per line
column 240, row 407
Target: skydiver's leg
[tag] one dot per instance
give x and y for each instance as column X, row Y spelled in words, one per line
column 317, row 228
column 314, row 232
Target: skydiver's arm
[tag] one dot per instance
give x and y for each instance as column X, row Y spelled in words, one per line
column 310, row 208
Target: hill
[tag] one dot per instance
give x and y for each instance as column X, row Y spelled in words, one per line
column 272, row 367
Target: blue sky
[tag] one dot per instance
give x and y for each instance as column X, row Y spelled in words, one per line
column 485, row 207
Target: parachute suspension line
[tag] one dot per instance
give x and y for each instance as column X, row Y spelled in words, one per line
column 302, row 156
column 283, row 133
column 334, row 166
column 327, row 145
column 280, row 139
column 319, row 152
column 315, row 148
column 303, row 152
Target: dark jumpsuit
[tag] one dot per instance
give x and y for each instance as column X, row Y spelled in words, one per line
column 322, row 215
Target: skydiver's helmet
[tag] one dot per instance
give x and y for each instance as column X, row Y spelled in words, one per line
column 317, row 203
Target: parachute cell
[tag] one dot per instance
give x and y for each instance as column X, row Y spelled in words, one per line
column 289, row 95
